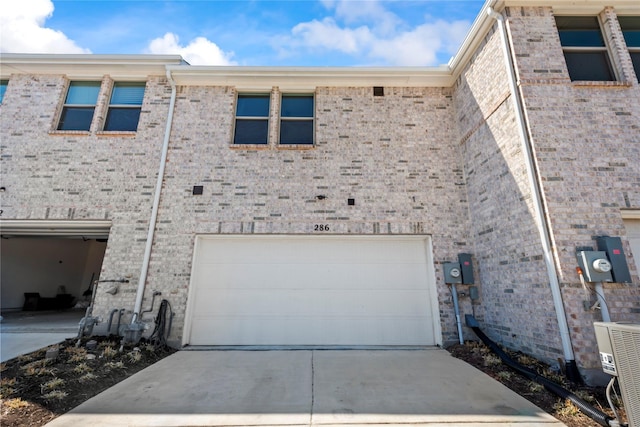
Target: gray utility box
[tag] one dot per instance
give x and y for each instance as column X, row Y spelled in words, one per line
column 595, row 266
column 466, row 266
column 612, row 246
column 452, row 273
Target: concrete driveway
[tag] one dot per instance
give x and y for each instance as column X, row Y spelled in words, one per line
column 308, row 388
column 22, row 332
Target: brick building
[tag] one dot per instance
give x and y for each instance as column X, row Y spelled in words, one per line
column 317, row 206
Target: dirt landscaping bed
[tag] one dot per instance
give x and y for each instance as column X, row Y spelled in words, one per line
column 481, row 357
column 34, row 390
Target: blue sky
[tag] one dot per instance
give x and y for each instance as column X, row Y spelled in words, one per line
column 243, row 32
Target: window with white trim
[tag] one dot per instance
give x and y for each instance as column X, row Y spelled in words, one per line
column 125, row 106
column 584, row 48
column 631, row 31
column 252, row 119
column 296, row 119
column 79, row 106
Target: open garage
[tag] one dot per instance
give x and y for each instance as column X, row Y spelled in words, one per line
column 312, row 290
column 48, row 265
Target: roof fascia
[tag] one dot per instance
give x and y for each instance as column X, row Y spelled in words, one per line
column 308, row 78
column 82, row 67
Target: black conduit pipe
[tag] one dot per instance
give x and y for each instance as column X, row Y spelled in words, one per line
column 593, row 413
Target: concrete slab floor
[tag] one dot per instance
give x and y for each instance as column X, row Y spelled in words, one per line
column 22, row 332
column 308, row 387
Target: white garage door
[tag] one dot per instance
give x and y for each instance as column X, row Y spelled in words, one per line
column 308, row 290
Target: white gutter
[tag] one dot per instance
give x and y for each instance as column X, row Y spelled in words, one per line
column 543, row 229
column 156, row 204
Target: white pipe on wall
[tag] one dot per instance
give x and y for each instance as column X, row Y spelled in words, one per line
column 156, row 203
column 541, row 223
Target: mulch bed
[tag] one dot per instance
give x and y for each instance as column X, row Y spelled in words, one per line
column 35, row 390
column 481, row 357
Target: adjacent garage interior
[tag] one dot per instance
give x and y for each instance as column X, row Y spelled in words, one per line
column 312, row 290
column 49, row 265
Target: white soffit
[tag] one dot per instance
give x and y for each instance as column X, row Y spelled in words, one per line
column 55, row 228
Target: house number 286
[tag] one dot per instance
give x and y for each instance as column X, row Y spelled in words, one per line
column 321, row 227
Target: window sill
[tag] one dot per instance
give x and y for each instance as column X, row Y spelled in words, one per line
column 295, row 146
column 601, row 83
column 250, row 146
column 70, row 132
column 116, row 133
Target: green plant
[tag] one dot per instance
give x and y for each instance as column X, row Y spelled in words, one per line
column 566, row 408
column 115, row 365
column 87, row 377
column 15, row 403
column 82, row 368
column 55, row 395
column 134, row 356
column 6, row 387
column 109, row 352
column 504, row 375
column 534, row 387
column 491, row 360
column 52, row 384
column 585, row 395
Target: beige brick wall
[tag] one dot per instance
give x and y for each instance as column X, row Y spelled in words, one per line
column 391, row 154
column 584, row 136
column 83, row 175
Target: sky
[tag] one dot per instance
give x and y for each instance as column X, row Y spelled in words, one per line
column 245, row 32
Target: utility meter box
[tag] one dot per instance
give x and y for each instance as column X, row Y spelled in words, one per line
column 466, row 267
column 612, row 246
column 452, row 272
column 595, row 266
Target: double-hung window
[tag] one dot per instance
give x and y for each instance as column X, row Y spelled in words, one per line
column 584, row 48
column 296, row 119
column 3, row 88
column 631, row 30
column 79, row 105
column 124, row 107
column 252, row 119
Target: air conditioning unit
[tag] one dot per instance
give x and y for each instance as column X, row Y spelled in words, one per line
column 619, row 346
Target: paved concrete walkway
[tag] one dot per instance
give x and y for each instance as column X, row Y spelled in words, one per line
column 308, row 388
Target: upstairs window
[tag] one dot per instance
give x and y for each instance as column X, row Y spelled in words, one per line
column 296, row 119
column 79, row 105
column 3, row 88
column 585, row 51
column 124, row 107
column 252, row 119
column 631, row 30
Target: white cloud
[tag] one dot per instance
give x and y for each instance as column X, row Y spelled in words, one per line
column 380, row 36
column 199, row 51
column 327, row 34
column 22, row 29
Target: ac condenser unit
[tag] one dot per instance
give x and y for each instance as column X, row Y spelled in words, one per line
column 619, row 346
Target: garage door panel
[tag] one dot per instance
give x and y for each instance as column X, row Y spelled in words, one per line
column 317, row 303
column 306, row 330
column 318, row 276
column 308, row 290
column 294, row 251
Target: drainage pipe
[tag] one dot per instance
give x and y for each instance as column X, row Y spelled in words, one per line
column 593, row 413
column 541, row 222
column 604, row 310
column 156, row 204
column 456, row 308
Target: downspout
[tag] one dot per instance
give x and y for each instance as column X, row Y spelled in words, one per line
column 156, row 204
column 541, row 221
